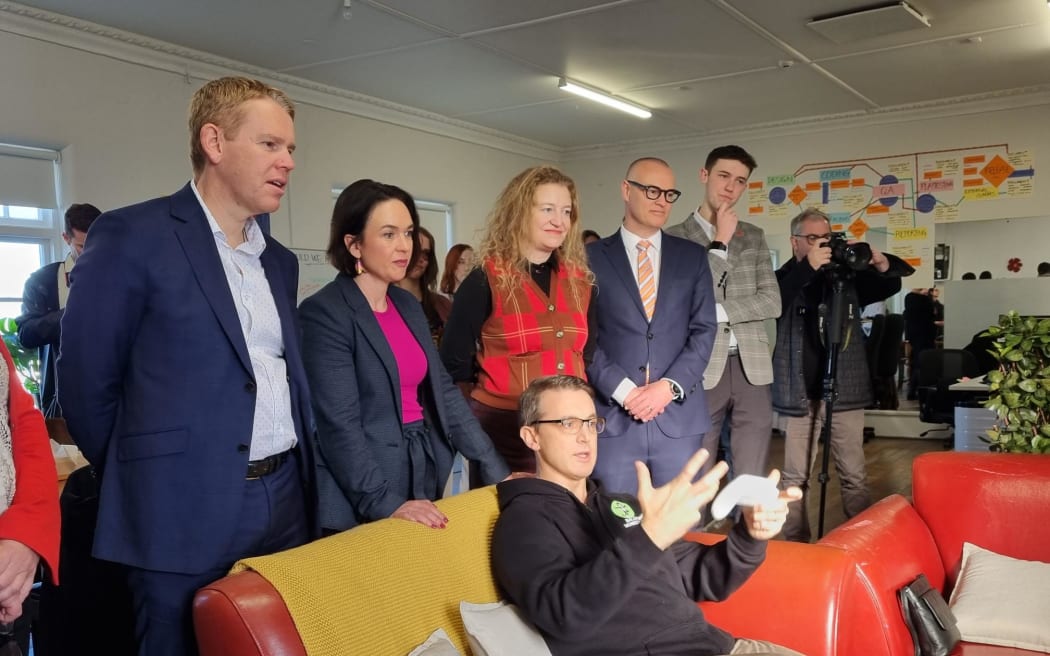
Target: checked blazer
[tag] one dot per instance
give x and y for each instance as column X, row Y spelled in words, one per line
column 746, row 286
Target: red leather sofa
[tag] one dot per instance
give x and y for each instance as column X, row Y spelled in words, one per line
column 833, row 598
column 1000, row 502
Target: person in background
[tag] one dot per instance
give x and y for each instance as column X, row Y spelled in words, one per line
column 1043, row 270
column 389, row 418
column 458, row 263
column 985, row 275
column 605, row 573
column 29, row 515
column 969, row 275
column 938, row 314
column 44, row 298
column 738, row 378
column 652, row 329
column 919, row 330
column 419, row 281
column 180, row 375
column 799, row 359
column 523, row 312
column 590, row 236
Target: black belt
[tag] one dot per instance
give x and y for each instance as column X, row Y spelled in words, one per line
column 268, row 465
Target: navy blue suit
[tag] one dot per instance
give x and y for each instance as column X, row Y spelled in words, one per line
column 364, row 471
column 157, row 386
column 676, row 344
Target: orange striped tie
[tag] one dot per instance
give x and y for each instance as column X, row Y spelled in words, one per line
column 646, row 282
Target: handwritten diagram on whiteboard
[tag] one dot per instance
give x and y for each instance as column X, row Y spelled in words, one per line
column 897, row 197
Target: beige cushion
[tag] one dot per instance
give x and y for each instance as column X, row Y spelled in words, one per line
column 499, row 629
column 1000, row 600
column 437, row 644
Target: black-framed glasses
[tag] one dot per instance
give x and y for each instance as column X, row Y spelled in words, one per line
column 812, row 239
column 653, row 192
column 573, row 425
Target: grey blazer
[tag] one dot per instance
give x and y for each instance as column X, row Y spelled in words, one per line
column 747, row 288
column 363, row 459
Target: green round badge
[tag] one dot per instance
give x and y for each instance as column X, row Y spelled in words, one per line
column 622, row 510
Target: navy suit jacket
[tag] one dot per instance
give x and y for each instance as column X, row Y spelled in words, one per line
column 158, row 388
column 676, row 344
column 363, row 464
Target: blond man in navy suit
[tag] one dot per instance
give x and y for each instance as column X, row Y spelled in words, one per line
column 739, row 376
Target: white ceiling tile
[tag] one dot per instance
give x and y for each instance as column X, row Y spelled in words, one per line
column 464, row 16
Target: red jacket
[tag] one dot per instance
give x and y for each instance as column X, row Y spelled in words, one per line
column 33, row 517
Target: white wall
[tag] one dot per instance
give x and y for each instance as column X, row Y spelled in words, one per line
column 121, row 128
column 783, row 150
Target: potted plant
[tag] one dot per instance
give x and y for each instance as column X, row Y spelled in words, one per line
column 26, row 360
column 1020, row 387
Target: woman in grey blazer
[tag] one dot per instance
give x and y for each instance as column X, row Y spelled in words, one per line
column 389, row 418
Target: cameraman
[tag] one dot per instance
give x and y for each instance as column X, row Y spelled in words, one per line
column 799, row 363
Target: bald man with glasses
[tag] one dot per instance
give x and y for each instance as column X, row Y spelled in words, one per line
column 651, row 327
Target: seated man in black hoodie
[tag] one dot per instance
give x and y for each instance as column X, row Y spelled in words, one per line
column 609, row 574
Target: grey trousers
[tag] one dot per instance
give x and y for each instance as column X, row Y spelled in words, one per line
column 755, row 647
column 847, row 452
column 750, row 409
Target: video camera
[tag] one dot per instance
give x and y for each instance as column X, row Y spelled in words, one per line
column 855, row 256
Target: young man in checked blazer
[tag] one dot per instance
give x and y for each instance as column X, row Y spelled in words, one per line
column 738, row 377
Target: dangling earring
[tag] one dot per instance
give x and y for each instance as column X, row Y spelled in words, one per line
column 358, row 267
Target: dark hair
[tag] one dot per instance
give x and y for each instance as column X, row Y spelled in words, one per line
column 985, row 275
column 427, row 282
column 731, row 152
column 587, row 234
column 80, row 216
column 350, row 216
column 448, row 277
column 529, row 401
column 1043, row 268
column 969, row 276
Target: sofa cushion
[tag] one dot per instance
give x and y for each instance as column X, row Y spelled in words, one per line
column 1005, row 496
column 499, row 629
column 1000, row 600
column 387, row 569
column 437, row 644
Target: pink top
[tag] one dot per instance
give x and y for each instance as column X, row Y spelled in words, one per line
column 411, row 362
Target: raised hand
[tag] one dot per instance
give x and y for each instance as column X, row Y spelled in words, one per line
column 671, row 510
column 725, row 222
column 764, row 522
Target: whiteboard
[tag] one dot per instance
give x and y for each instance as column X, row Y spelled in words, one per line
column 314, row 271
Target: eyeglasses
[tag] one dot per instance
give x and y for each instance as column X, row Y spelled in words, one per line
column 572, row 425
column 812, row 239
column 652, row 192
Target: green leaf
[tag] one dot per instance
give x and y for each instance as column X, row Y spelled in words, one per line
column 1028, row 385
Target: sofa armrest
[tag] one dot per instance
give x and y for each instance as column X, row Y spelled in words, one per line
column 794, row 599
column 890, row 545
column 242, row 615
column 998, row 501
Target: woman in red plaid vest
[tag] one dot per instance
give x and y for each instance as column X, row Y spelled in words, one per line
column 522, row 313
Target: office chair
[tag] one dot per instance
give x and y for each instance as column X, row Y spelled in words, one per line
column 938, row 370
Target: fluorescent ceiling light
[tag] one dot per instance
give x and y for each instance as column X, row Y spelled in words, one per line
column 605, row 99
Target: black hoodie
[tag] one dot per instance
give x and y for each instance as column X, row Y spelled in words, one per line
column 591, row 580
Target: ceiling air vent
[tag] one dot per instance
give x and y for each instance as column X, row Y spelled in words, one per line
column 869, row 23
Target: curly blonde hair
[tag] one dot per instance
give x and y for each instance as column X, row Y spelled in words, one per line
column 507, row 228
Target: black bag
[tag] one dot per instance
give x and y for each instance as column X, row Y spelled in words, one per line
column 930, row 621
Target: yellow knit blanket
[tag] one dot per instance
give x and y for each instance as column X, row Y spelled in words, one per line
column 382, row 588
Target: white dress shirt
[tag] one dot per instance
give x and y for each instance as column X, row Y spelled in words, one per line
column 273, row 430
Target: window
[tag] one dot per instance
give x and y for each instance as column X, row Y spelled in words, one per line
column 30, row 235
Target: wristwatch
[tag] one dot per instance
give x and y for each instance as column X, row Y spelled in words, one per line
column 677, row 394
column 719, row 246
